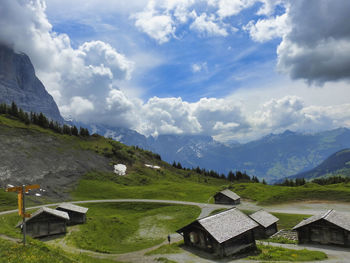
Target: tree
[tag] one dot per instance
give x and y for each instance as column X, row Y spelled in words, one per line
column 14, row 109
column 74, row 131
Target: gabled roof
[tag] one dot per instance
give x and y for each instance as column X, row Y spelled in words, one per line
column 264, row 218
column 230, row 194
column 225, row 225
column 75, row 208
column 54, row 212
column 331, row 216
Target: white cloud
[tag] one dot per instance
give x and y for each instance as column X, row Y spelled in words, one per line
column 84, row 80
column 208, row 25
column 158, row 26
column 228, row 8
column 267, row 29
column 78, row 107
column 198, row 67
column 79, row 79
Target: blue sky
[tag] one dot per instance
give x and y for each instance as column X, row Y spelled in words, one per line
column 224, row 63
column 231, row 69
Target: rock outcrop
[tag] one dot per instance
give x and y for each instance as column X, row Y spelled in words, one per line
column 19, row 83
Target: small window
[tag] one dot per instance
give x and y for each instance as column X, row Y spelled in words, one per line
column 193, row 237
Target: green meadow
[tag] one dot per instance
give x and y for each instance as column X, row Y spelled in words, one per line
column 126, row 227
column 274, row 194
column 38, row 252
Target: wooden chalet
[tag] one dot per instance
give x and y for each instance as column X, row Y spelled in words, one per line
column 267, row 224
column 222, row 234
column 46, row 222
column 77, row 214
column 227, row 197
column 331, row 228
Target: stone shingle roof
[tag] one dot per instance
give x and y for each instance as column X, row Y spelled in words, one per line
column 230, row 194
column 226, row 225
column 75, row 208
column 264, row 218
column 331, row 216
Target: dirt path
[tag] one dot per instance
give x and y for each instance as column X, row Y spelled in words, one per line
column 305, row 207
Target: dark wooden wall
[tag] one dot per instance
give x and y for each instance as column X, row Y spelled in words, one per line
column 223, row 199
column 323, row 232
column 74, row 217
column 198, row 237
column 45, row 225
column 262, row 232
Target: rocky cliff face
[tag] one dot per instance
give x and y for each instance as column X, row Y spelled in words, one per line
column 29, row 156
column 19, row 83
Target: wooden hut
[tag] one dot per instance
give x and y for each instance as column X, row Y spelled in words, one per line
column 267, row 224
column 227, row 197
column 222, row 234
column 331, row 228
column 46, row 222
column 77, row 214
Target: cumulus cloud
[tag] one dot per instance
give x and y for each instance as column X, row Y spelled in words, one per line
column 315, row 42
column 80, row 79
column 158, row 26
column 83, row 80
column 208, row 25
column 160, row 19
column 267, row 29
column 317, row 48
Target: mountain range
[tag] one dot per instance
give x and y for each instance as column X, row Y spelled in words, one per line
column 338, row 164
column 272, row 157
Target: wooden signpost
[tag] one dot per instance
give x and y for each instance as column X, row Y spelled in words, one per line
column 21, row 191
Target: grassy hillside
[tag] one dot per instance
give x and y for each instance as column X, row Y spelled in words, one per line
column 72, row 167
column 38, row 252
column 273, row 194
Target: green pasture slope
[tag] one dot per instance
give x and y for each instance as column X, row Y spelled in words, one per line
column 38, row 252
column 126, row 227
column 273, row 194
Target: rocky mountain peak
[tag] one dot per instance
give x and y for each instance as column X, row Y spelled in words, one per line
column 19, row 83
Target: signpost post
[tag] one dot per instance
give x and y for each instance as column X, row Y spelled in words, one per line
column 21, row 191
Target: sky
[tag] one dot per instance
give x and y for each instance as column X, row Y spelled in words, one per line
column 235, row 70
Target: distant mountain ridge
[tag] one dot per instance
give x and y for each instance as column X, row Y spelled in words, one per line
column 19, row 83
column 272, row 157
column 338, row 164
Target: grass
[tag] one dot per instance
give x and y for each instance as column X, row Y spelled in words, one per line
column 216, row 211
column 8, row 223
column 283, row 254
column 126, row 227
column 146, row 183
column 165, row 260
column 8, row 201
column 173, row 248
column 273, row 194
column 288, row 221
column 38, row 252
